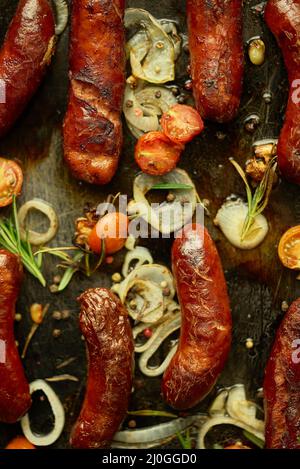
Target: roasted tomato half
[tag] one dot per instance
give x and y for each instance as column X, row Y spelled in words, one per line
column 156, row 154
column 181, row 123
column 11, row 180
column 289, row 248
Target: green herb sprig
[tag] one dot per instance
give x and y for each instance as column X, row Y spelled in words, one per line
column 258, row 201
column 10, row 239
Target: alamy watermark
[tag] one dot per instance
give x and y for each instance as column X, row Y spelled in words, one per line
column 296, row 93
column 152, row 220
column 2, row 351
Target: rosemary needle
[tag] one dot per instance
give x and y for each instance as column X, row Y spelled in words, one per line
column 10, row 240
column 258, row 201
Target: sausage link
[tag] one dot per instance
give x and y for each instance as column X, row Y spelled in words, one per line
column 24, row 56
column 283, row 19
column 92, row 126
column 105, row 325
column 282, row 385
column 216, row 47
column 205, row 335
column 15, row 398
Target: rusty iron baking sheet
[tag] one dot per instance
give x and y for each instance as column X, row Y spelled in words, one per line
column 257, row 282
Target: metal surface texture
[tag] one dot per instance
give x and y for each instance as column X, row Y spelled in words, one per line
column 257, row 281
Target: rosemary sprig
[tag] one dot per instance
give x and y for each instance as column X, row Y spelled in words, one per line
column 10, row 240
column 70, row 271
column 73, row 264
column 171, row 186
column 185, row 440
column 258, row 201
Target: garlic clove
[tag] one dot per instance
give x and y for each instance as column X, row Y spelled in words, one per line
column 230, row 219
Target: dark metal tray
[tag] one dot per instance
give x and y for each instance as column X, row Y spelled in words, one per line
column 257, row 282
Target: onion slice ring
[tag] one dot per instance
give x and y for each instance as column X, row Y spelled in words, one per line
column 62, row 16
column 58, row 412
column 153, row 436
column 212, row 422
column 166, row 217
column 33, row 237
column 141, row 255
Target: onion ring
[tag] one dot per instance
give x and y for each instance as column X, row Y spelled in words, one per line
column 58, row 412
column 33, row 237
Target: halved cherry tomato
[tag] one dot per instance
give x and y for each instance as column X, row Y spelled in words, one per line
column 20, row 442
column 289, row 248
column 181, row 123
column 11, row 180
column 156, row 154
column 113, row 228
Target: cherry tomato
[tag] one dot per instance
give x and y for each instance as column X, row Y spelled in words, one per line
column 11, row 180
column 20, row 442
column 156, row 154
column 181, row 123
column 289, row 248
column 113, row 228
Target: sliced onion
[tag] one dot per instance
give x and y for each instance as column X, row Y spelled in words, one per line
column 144, row 105
column 57, row 410
column 238, row 407
column 169, row 27
column 34, row 237
column 130, row 242
column 158, row 330
column 168, row 217
column 231, row 217
column 136, row 114
column 151, row 51
column 150, row 437
column 148, row 299
column 139, row 254
column 148, row 279
column 162, row 333
column 215, row 421
column 218, row 407
column 156, row 273
column 62, row 16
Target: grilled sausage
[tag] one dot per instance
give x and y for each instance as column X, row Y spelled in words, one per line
column 24, row 56
column 105, row 325
column 282, row 384
column 205, row 336
column 283, row 18
column 92, row 126
column 216, row 47
column 15, row 398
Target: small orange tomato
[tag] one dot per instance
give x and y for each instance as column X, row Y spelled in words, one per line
column 181, row 123
column 289, row 248
column 20, row 442
column 113, row 228
column 156, row 154
column 237, row 445
column 11, row 180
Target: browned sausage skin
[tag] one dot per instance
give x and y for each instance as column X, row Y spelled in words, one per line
column 105, row 325
column 93, row 127
column 15, row 399
column 205, row 336
column 216, row 47
column 24, row 56
column 283, row 18
column 282, row 385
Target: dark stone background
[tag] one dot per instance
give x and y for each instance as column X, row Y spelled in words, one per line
column 257, row 282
